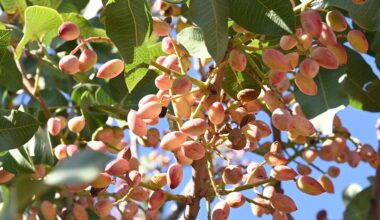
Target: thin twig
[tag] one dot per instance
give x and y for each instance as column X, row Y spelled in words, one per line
column 179, row 57
column 126, row 197
column 211, row 174
column 196, row 82
column 169, row 196
column 89, row 40
column 247, row 186
column 259, row 204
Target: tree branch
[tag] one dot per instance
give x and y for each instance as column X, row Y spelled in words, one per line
column 277, row 137
column 29, row 88
column 175, row 215
column 198, row 188
column 169, row 196
column 374, row 212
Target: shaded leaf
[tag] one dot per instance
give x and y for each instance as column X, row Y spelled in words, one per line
column 375, row 45
column 140, row 91
column 40, row 149
column 233, row 82
column 25, row 190
column 73, row 5
column 17, row 161
column 212, row 16
column 92, row 215
column 128, row 23
column 176, row 1
column 350, row 192
column 94, row 120
column 16, row 128
column 367, row 98
column 330, row 94
column 111, row 111
column 366, row 15
column 272, row 17
column 10, row 76
column 80, row 89
column 360, row 83
column 359, row 206
column 118, row 89
column 53, row 99
column 103, row 97
column 87, row 166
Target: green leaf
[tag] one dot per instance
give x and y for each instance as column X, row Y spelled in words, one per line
column 212, row 16
column 16, row 128
column 83, row 167
column 359, row 206
column 8, row 210
column 53, row 99
column 271, row 17
column 47, row 3
column 40, row 149
column 54, row 78
column 366, row 98
column 360, row 83
column 17, row 161
column 10, row 76
column 366, row 15
column 36, row 28
column 137, row 70
column 104, row 97
column 371, row 179
column 128, row 23
column 86, row 29
column 94, row 120
column 117, row 88
column 330, row 94
column 139, row 92
column 92, row 215
column 324, row 122
column 135, row 76
column 375, row 45
column 16, row 34
column 176, row 1
column 80, row 89
column 155, row 51
column 111, row 111
column 233, row 82
column 192, row 39
column 350, row 192
column 11, row 6
column 25, row 191
column 73, row 5
column 67, row 7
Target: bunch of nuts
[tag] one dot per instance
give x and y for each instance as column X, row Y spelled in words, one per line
column 201, row 127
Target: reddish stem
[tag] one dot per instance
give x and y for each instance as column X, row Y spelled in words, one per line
column 89, row 40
